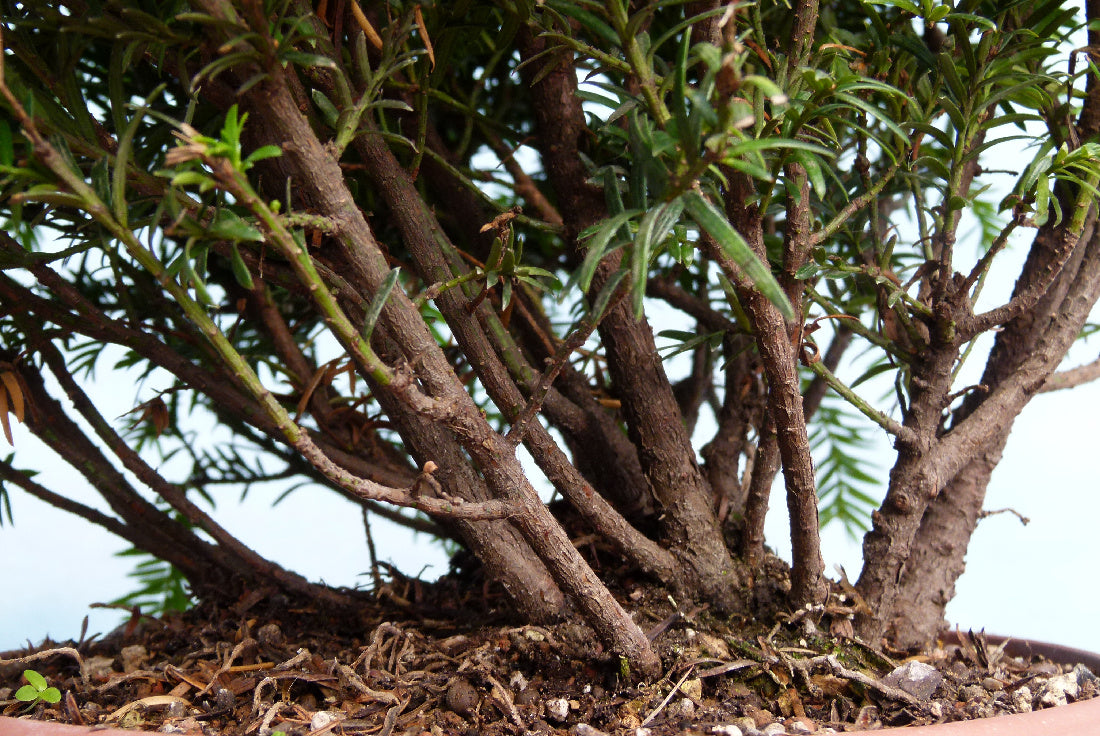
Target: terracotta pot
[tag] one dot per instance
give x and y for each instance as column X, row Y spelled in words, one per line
column 1075, row 719
column 22, row 727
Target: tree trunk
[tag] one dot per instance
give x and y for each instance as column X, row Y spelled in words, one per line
column 937, row 557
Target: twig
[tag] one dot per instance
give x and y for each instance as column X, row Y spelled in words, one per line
column 554, row 367
column 1023, row 519
column 357, row 682
column 893, row 427
column 50, row 652
column 1072, row 377
column 1069, row 237
column 836, row 668
column 842, row 217
column 505, row 699
column 670, row 696
column 391, row 719
column 375, row 575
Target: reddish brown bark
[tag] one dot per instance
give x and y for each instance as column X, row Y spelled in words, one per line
column 653, row 419
column 1058, row 285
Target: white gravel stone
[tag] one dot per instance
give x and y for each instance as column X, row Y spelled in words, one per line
column 727, row 729
column 583, row 729
column 1084, row 674
column 683, row 708
column 1021, row 699
column 557, row 709
column 323, row 718
column 1059, row 689
column 916, row 678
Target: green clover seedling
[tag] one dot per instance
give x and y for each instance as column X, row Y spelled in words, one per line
column 37, row 690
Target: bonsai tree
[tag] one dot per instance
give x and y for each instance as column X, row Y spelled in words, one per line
column 384, row 245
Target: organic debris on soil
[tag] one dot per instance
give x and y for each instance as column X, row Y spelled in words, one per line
column 269, row 664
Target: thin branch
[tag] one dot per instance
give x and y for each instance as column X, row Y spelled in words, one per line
column 778, row 357
column 452, row 508
column 413, row 523
column 868, row 197
column 813, row 395
column 764, row 469
column 903, row 433
column 545, row 382
column 691, row 304
column 1026, row 300
column 993, row 512
column 95, row 516
column 983, row 264
column 801, row 41
column 1072, row 377
column 524, row 185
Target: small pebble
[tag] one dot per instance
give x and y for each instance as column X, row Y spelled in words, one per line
column 1045, row 668
column 958, row 671
column 583, row 729
column 693, row 688
column 223, row 699
column 682, row 708
column 1059, row 689
column 1021, row 699
column 462, row 697
column 747, row 724
column 916, row 678
column 992, row 684
column 270, row 635
column 1084, row 674
column 133, row 657
column 323, row 718
column 760, row 717
column 799, row 727
column 867, row 718
column 773, row 729
column 557, row 709
column 727, row 729
column 972, row 692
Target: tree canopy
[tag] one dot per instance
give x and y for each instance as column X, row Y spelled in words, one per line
column 384, row 245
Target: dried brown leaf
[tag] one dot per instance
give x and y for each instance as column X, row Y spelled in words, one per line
column 4, row 417
column 323, row 374
column 11, row 381
column 154, row 411
column 368, row 29
column 424, row 35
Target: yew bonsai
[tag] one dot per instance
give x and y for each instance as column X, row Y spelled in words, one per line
column 386, row 244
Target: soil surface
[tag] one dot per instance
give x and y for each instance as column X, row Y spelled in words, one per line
column 441, row 659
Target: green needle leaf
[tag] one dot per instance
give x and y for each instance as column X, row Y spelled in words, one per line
column 707, row 216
